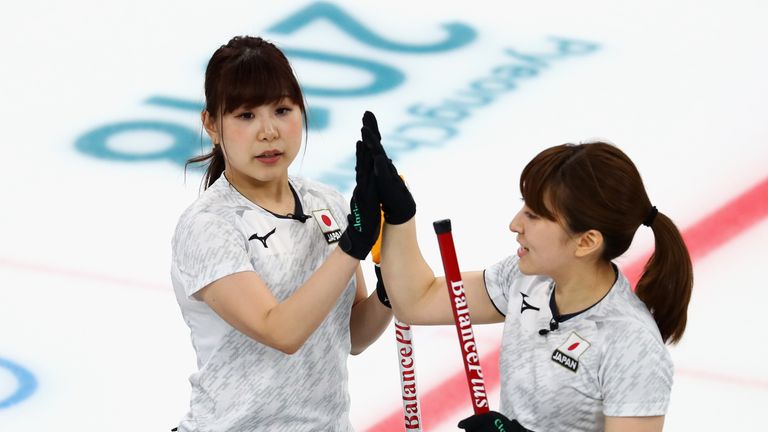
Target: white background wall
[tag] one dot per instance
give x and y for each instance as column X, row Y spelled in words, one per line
column 90, row 334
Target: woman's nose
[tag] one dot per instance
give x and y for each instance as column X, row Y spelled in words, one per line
column 268, row 131
column 514, row 224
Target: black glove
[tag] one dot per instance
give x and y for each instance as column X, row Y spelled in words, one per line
column 364, row 219
column 490, row 422
column 380, row 291
column 396, row 200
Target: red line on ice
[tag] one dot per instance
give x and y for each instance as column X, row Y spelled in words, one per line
column 78, row 274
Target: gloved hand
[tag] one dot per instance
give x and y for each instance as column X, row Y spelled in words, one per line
column 490, row 422
column 396, row 200
column 364, row 219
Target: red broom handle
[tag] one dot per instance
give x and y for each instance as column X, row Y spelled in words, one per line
column 453, row 281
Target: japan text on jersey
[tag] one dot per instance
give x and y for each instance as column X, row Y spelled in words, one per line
column 567, row 354
column 327, row 224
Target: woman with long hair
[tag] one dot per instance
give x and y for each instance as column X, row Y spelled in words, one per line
column 581, row 351
column 266, row 266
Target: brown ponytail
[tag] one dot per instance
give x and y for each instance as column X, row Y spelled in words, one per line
column 667, row 280
column 215, row 165
column 596, row 186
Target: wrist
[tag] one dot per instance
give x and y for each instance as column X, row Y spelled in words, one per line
column 345, row 250
column 399, row 219
column 381, row 292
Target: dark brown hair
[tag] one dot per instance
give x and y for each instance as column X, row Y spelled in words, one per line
column 247, row 71
column 596, row 186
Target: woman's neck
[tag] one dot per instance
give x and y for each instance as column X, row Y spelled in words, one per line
column 583, row 287
column 275, row 195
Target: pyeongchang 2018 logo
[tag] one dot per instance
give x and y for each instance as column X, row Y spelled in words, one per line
column 431, row 125
column 21, row 383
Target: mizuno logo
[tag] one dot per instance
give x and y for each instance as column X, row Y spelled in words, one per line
column 263, row 240
column 525, row 306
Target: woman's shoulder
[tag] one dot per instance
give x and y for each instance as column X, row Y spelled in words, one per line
column 214, row 203
column 506, row 273
column 625, row 314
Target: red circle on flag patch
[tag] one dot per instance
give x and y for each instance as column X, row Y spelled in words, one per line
column 326, row 220
column 573, row 347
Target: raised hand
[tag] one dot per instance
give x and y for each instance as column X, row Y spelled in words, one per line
column 396, row 200
column 364, row 219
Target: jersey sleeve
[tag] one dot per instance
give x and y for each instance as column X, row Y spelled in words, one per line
column 498, row 282
column 636, row 374
column 207, row 248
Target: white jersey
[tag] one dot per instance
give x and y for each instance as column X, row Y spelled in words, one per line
column 241, row 384
column 608, row 360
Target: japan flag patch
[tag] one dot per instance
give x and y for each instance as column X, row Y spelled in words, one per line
column 567, row 354
column 327, row 224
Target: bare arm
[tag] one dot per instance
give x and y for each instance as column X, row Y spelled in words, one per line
column 634, row 424
column 245, row 302
column 369, row 317
column 417, row 296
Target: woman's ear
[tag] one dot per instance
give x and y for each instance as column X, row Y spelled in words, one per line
column 209, row 123
column 588, row 243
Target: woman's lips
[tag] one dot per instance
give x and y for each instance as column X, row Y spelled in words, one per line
column 269, row 157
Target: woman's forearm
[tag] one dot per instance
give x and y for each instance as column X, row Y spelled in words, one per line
column 368, row 321
column 410, row 282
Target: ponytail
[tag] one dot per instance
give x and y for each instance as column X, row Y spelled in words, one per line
column 667, row 281
column 215, row 168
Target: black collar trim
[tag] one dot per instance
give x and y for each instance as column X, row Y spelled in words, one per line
column 298, row 209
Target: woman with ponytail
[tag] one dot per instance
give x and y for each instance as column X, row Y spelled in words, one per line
column 266, row 266
column 581, row 351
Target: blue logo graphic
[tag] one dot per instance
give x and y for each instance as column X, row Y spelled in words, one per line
column 429, row 125
column 26, row 383
column 187, row 143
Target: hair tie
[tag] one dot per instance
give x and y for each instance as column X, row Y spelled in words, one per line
column 648, row 221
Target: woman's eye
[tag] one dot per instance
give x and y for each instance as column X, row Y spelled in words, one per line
column 282, row 110
column 531, row 215
column 245, row 115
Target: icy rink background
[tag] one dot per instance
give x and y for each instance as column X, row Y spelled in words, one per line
column 101, row 107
